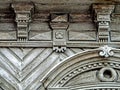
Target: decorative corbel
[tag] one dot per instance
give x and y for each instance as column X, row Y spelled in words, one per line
column 59, row 24
column 23, row 12
column 102, row 18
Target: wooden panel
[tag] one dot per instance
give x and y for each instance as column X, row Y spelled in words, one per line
column 7, row 31
column 82, row 36
column 22, row 68
column 40, row 31
column 7, row 35
column 84, row 31
column 115, row 32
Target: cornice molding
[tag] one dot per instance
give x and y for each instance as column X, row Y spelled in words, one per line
column 30, row 27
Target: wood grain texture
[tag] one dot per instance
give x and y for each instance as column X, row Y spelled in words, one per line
column 24, row 64
column 23, row 68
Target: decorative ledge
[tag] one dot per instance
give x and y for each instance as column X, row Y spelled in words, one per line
column 60, row 30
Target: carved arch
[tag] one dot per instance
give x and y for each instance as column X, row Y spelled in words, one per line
column 64, row 75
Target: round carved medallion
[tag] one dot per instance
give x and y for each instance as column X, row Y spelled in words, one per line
column 107, row 74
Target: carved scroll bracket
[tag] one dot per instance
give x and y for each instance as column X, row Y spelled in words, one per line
column 23, row 12
column 102, row 19
column 106, row 51
column 59, row 24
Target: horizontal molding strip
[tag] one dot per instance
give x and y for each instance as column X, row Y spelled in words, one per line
column 77, row 44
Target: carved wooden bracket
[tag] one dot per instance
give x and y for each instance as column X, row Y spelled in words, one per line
column 23, row 12
column 59, row 24
column 102, row 18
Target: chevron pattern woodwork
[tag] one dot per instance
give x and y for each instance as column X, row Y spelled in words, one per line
column 22, row 68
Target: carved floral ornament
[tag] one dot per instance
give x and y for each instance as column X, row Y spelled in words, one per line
column 106, row 51
column 87, row 67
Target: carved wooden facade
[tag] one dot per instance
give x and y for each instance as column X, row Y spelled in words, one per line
column 60, row 45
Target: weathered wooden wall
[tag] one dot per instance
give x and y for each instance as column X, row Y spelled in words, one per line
column 51, row 44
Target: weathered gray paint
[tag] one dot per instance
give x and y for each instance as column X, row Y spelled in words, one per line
column 59, row 45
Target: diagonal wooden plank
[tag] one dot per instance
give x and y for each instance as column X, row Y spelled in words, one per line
column 62, row 56
column 11, row 58
column 31, row 56
column 9, row 54
column 8, row 61
column 39, row 70
column 5, row 85
column 37, row 83
column 1, row 88
column 69, row 52
column 8, row 78
column 10, row 69
column 27, row 74
column 21, row 52
column 29, row 68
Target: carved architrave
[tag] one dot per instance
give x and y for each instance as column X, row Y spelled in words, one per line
column 59, row 24
column 23, row 12
column 102, row 18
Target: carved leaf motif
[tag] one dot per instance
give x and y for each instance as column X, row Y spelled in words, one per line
column 59, row 35
column 106, row 51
